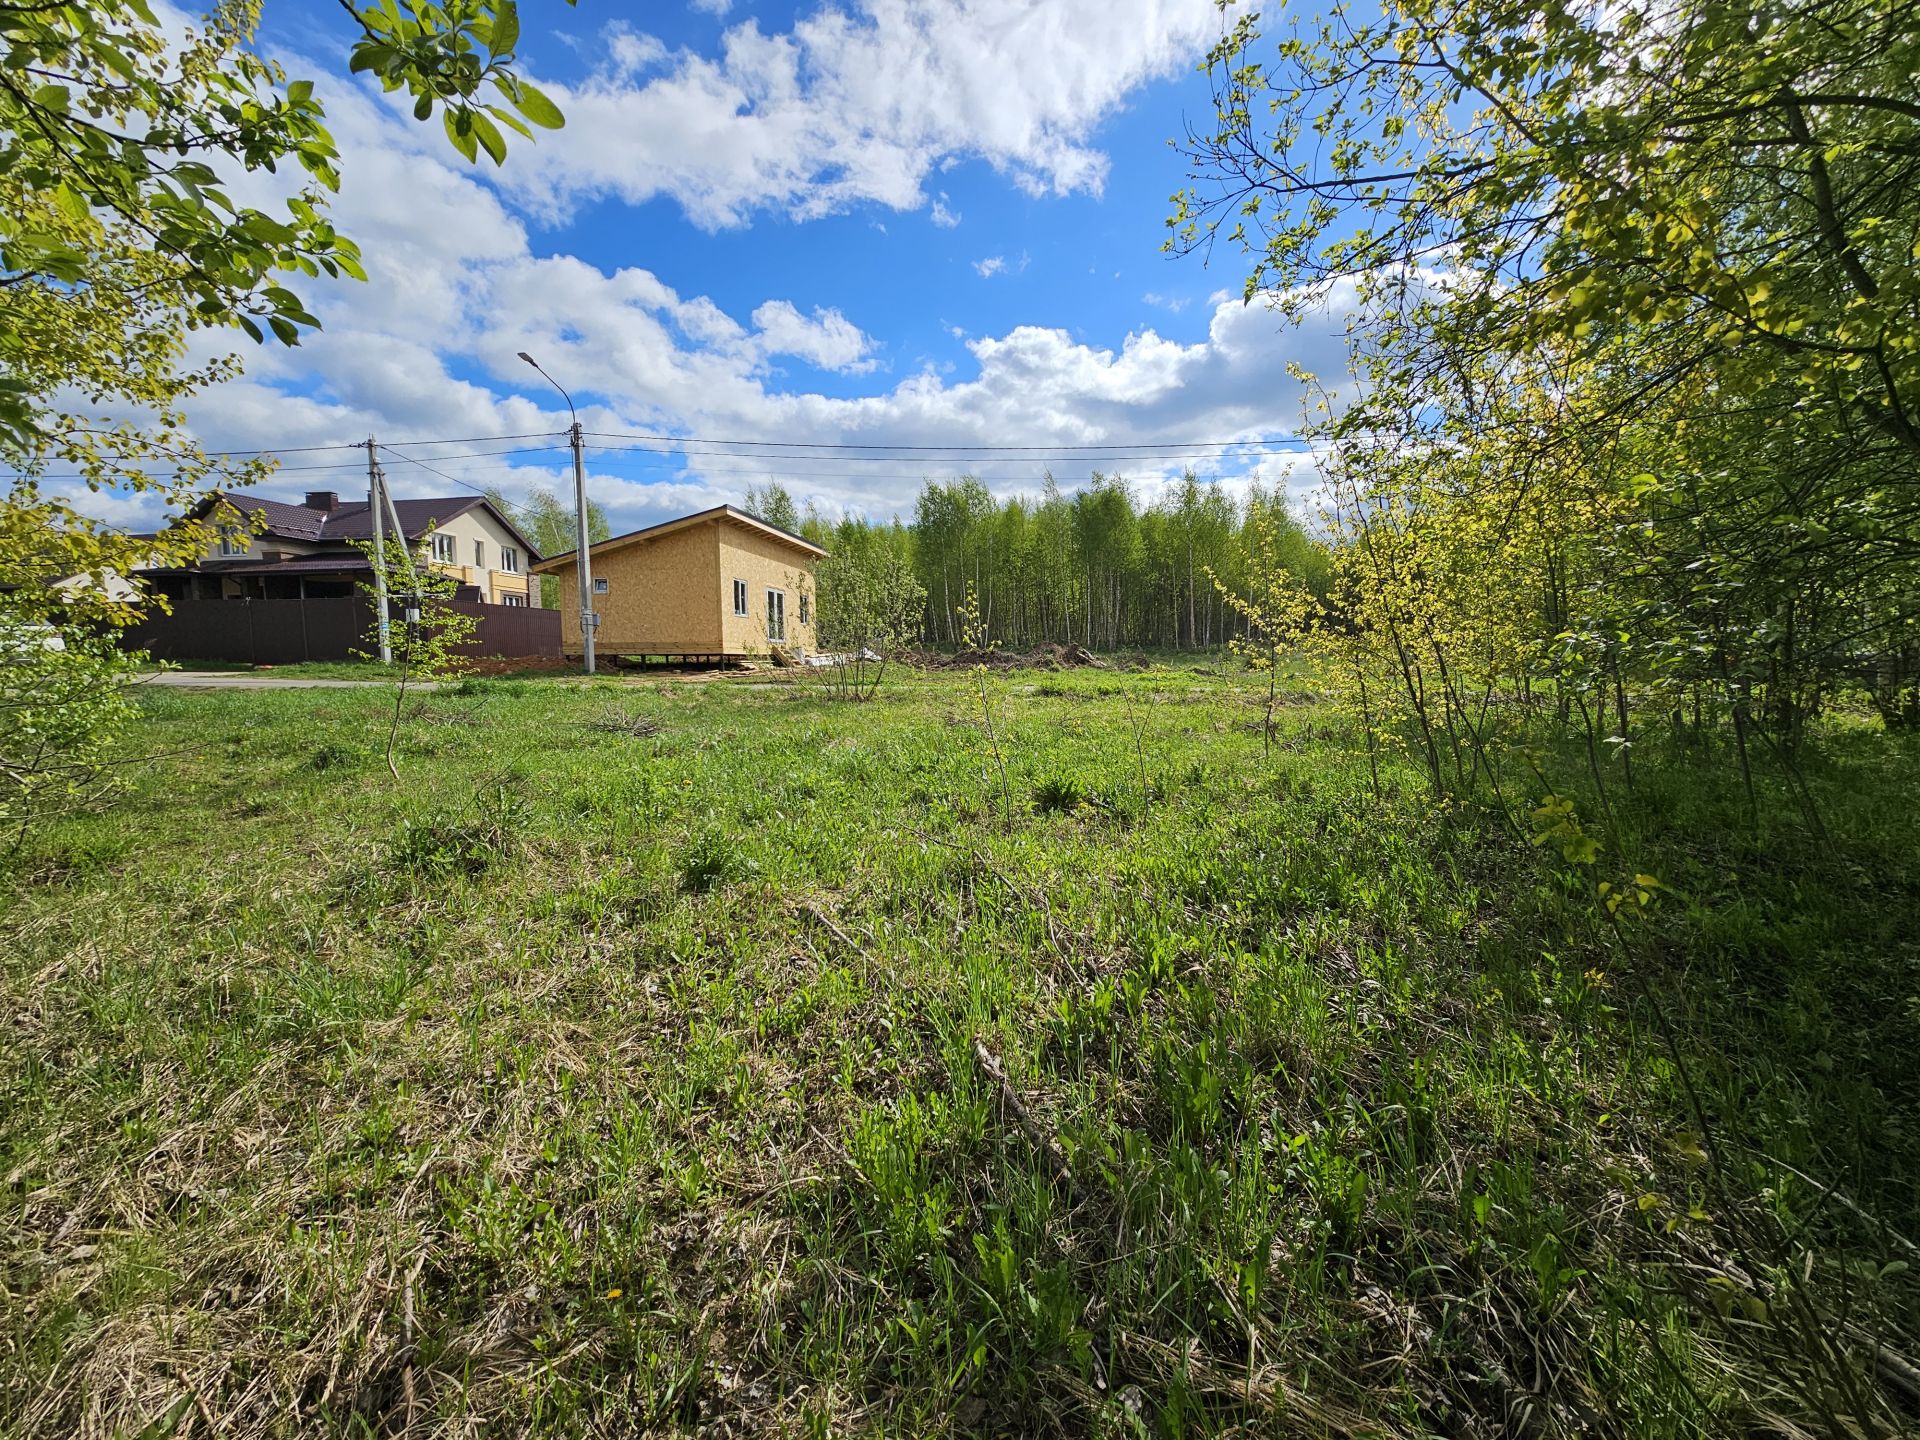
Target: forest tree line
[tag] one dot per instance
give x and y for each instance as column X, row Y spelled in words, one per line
column 1096, row 566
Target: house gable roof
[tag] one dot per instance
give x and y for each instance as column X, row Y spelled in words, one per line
column 722, row 513
column 352, row 520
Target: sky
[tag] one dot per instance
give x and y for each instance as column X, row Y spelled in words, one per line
column 767, row 228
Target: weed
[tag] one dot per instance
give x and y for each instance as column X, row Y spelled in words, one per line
column 711, row 859
column 1059, row 795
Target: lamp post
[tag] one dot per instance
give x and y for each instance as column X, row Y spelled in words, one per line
column 582, row 549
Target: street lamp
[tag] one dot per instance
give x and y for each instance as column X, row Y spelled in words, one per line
column 581, row 551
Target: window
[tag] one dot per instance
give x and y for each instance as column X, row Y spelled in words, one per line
column 806, row 610
column 599, row 585
column 231, row 545
column 511, row 599
column 509, row 559
column 479, row 554
column 443, row 549
column 776, row 614
column 739, row 597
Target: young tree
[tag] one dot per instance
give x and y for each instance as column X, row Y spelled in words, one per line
column 773, row 504
column 868, row 607
column 427, row 633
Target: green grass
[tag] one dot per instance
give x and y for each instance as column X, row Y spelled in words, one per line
column 599, row 1082
column 311, row 669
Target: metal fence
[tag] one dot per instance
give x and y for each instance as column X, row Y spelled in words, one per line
column 285, row 632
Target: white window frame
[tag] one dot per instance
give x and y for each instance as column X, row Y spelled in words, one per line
column 740, row 606
column 479, row 554
column 776, row 616
column 510, row 559
column 444, row 552
column 232, row 547
column 806, row 609
column 513, row 598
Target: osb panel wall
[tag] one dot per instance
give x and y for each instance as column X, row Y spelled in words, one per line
column 663, row 597
column 764, row 563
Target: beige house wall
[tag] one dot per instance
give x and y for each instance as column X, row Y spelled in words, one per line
column 259, row 547
column 663, row 597
column 495, row 584
column 765, row 564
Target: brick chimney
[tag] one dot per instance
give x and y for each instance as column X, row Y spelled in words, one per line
column 322, row 499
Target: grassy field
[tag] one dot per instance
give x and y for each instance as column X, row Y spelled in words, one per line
column 673, row 1057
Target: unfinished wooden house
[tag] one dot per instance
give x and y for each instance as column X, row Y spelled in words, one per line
column 718, row 585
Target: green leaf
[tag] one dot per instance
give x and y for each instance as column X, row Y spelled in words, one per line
column 460, row 132
column 538, row 108
column 508, row 119
column 506, row 28
column 52, row 97
column 489, row 137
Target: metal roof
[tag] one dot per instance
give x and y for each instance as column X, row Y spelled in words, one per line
column 353, row 519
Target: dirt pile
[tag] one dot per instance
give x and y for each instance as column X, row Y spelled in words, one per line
column 520, row 665
column 1043, row 657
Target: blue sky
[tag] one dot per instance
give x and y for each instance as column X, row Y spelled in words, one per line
column 867, row 221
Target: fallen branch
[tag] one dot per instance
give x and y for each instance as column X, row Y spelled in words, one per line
column 1037, row 1134
column 407, row 1345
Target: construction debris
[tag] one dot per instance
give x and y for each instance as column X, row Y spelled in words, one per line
column 1043, row 657
column 622, row 722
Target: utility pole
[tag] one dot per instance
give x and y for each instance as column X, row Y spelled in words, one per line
column 588, row 620
column 583, row 547
column 382, row 622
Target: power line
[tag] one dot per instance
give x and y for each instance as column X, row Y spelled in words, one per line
column 858, row 451
column 456, row 480
column 357, row 466
column 759, row 468
column 484, row 440
column 1181, row 446
column 953, row 458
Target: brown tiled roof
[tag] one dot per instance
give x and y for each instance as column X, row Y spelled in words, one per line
column 352, row 519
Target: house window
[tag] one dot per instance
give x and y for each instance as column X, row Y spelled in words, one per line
column 776, row 614
column 232, row 545
column 512, row 599
column 806, row 610
column 509, row 559
column 599, row 586
column 479, row 554
column 443, row 549
column 739, row 597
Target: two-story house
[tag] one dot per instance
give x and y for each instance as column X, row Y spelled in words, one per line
column 275, row 551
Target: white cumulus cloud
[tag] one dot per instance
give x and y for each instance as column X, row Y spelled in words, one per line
column 860, row 103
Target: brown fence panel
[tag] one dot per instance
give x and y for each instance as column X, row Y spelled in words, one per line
column 285, row 632
column 511, row 630
column 256, row 632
